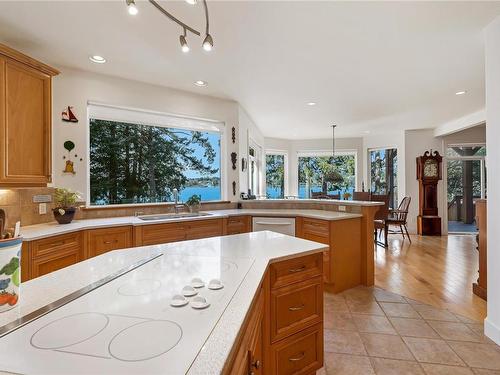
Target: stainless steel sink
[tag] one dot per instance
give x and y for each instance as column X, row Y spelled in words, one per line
column 172, row 216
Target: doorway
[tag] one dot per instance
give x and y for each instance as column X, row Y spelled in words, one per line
column 466, row 183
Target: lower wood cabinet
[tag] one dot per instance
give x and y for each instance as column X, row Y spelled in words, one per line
column 289, row 339
column 100, row 241
column 154, row 234
column 342, row 259
column 238, row 224
column 51, row 254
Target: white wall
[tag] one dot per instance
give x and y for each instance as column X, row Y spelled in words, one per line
column 492, row 34
column 416, row 143
column 76, row 88
column 294, row 147
column 248, row 130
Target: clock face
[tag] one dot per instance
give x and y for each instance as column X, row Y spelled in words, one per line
column 431, row 168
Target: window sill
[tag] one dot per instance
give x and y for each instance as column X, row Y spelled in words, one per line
column 166, row 204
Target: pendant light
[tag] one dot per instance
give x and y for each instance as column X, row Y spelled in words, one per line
column 332, row 176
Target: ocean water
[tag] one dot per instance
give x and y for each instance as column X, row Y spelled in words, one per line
column 208, row 193
column 276, row 192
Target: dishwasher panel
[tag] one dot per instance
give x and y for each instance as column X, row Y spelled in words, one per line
column 285, row 225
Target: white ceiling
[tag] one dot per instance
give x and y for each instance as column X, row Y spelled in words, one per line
column 370, row 66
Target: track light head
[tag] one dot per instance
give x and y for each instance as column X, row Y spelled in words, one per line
column 183, row 41
column 208, row 43
column 132, row 9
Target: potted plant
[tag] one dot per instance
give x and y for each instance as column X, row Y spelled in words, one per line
column 194, row 203
column 347, row 196
column 65, row 200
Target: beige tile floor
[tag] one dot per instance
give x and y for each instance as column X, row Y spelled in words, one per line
column 372, row 331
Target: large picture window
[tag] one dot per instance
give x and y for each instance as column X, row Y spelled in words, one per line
column 384, row 174
column 275, row 175
column 312, row 170
column 136, row 163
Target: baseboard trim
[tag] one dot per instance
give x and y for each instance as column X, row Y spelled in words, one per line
column 492, row 331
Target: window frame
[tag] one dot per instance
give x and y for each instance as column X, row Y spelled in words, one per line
column 102, row 111
column 285, row 167
column 328, row 153
column 369, row 173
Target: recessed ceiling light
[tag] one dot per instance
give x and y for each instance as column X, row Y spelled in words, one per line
column 200, row 83
column 311, row 103
column 97, row 59
column 460, row 92
column 191, row 2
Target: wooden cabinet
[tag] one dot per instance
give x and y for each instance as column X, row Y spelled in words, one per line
column 203, row 229
column 342, row 259
column 25, row 120
column 247, row 354
column 51, row 254
column 171, row 232
column 480, row 287
column 293, row 324
column 295, row 306
column 283, row 330
column 301, row 353
column 238, row 224
column 100, row 241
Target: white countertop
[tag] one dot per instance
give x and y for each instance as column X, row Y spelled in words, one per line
column 258, row 248
column 38, row 231
column 337, row 202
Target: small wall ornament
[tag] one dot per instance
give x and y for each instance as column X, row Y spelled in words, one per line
column 233, row 134
column 69, row 166
column 234, row 159
column 68, row 115
column 234, row 187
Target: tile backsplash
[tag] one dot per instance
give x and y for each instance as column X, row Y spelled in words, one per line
column 18, row 205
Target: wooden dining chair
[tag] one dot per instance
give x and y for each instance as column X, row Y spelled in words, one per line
column 399, row 218
column 380, row 217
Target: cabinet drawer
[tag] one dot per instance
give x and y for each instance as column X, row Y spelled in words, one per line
column 103, row 240
column 295, row 307
column 163, row 233
column 204, row 228
column 44, row 265
column 301, row 354
column 55, row 244
column 238, row 224
column 296, row 269
column 315, row 228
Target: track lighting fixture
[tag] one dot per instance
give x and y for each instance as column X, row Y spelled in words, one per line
column 208, row 42
column 132, row 9
column 184, row 45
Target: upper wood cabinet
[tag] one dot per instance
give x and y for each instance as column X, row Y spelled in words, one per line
column 25, row 120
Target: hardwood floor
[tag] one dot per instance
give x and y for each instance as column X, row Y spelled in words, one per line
column 435, row 270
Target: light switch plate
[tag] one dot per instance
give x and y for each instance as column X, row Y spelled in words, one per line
column 342, row 208
column 42, row 208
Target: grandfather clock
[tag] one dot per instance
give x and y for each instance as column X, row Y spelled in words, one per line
column 428, row 175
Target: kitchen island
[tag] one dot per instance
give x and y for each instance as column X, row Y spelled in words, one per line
column 126, row 325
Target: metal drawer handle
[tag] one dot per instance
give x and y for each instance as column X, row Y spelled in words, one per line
column 296, row 359
column 272, row 223
column 294, row 270
column 109, row 242
column 296, row 308
column 58, row 243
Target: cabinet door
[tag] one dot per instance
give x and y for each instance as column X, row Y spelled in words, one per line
column 26, row 125
column 163, row 233
column 44, row 265
column 204, row 228
column 238, row 224
column 101, row 241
